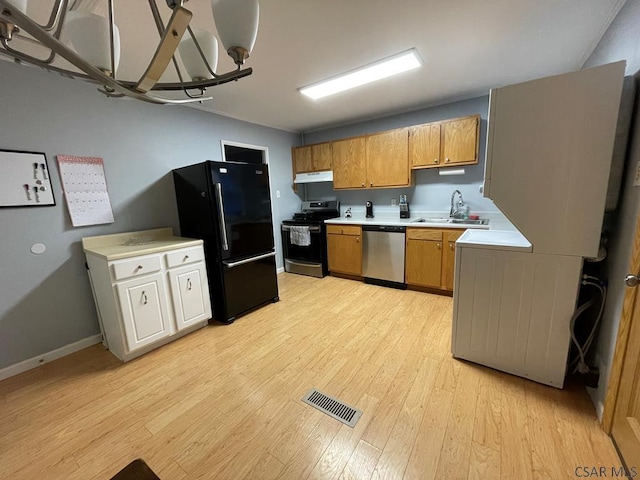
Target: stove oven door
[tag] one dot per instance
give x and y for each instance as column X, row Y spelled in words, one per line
column 305, row 260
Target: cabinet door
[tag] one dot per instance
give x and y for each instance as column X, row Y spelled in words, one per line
column 460, row 141
column 424, row 145
column 190, row 292
column 349, row 163
column 423, row 263
column 345, row 253
column 321, row 157
column 388, row 158
column 143, row 306
column 302, row 159
column 448, row 259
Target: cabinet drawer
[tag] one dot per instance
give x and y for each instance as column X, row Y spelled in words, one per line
column 424, row 234
column 345, row 229
column 452, row 236
column 135, row 266
column 184, row 256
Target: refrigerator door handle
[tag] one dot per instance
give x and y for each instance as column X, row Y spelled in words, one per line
column 249, row 260
column 223, row 224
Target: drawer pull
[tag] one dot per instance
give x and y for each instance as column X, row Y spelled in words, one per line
column 186, row 257
column 188, row 284
column 144, row 298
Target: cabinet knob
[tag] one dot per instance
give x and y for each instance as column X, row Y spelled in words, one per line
column 451, row 245
column 357, row 239
column 439, row 246
column 139, row 267
column 363, row 184
column 446, row 160
column 435, row 160
column 186, row 257
column 371, row 184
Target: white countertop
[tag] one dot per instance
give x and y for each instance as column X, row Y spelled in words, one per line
column 131, row 244
column 389, row 220
column 494, row 240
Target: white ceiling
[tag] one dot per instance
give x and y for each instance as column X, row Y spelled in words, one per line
column 468, row 47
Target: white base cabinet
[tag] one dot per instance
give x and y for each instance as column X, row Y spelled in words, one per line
column 143, row 305
column 145, row 301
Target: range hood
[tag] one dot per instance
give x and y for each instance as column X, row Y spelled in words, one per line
column 314, row 177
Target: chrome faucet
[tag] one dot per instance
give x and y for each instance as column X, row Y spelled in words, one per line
column 457, row 209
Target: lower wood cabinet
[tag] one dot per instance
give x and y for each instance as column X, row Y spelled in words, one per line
column 344, row 249
column 430, row 257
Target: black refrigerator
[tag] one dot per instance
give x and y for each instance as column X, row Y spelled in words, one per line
column 228, row 205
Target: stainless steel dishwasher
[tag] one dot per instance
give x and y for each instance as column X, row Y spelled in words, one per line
column 383, row 255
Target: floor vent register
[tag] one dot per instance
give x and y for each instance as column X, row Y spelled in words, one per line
column 332, row 407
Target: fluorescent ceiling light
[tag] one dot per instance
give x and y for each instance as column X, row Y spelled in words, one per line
column 370, row 73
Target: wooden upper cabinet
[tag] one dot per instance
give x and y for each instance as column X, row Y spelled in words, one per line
column 302, row 159
column 443, row 144
column 460, row 140
column 387, row 158
column 424, row 145
column 311, row 158
column 349, row 169
column 321, row 156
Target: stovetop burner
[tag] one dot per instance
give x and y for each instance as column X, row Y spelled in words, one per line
column 317, row 211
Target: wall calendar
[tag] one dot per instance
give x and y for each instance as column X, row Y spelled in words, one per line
column 85, row 190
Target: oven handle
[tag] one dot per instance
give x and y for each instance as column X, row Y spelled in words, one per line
column 313, row 229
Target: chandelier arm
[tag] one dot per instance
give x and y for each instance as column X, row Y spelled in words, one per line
column 57, row 15
column 158, row 100
column 161, row 29
column 112, row 38
column 221, row 79
column 202, row 55
column 29, row 58
column 166, row 49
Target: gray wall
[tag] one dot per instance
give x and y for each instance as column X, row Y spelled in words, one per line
column 620, row 42
column 45, row 300
column 431, row 191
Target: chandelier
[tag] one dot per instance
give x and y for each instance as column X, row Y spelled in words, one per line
column 91, row 44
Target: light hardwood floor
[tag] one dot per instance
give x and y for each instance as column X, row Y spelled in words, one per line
column 224, row 402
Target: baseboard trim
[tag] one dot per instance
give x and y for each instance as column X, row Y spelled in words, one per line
column 34, row 362
column 280, row 270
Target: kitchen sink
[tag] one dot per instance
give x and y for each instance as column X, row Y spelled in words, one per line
column 458, row 221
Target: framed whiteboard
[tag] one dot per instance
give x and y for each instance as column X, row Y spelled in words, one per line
column 25, row 180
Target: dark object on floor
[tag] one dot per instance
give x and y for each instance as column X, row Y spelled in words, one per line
column 136, row 470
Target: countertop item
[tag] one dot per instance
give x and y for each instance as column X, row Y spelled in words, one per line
column 495, row 240
column 129, row 244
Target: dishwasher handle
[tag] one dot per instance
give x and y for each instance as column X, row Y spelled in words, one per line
column 384, row 228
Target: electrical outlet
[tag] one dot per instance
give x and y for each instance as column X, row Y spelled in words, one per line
column 393, row 202
column 636, row 178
